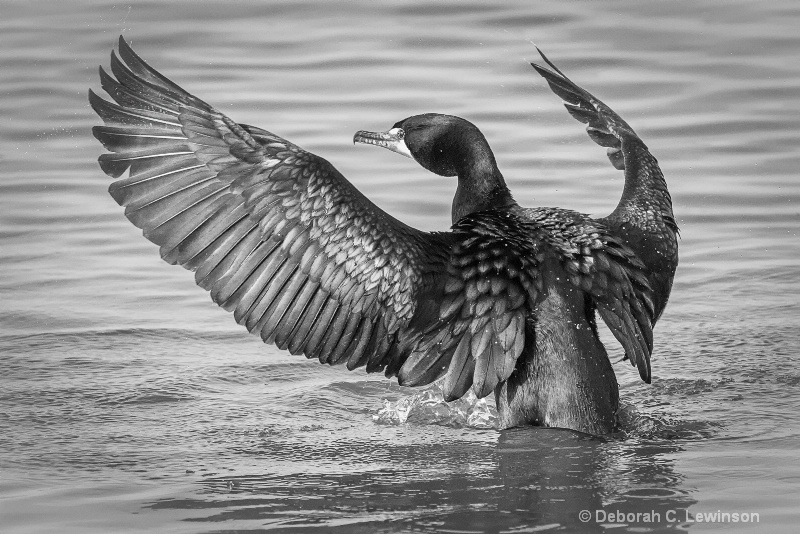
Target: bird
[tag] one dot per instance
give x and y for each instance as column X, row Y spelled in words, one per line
column 504, row 302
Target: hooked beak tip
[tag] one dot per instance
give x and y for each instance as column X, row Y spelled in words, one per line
column 392, row 139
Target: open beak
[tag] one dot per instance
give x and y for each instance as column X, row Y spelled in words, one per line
column 393, row 139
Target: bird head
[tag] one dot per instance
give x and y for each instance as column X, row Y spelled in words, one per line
column 443, row 144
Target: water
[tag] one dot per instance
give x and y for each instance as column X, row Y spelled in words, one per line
column 129, row 403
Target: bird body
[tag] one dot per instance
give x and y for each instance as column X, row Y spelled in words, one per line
column 504, row 302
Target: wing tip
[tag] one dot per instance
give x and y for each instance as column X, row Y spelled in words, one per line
column 541, row 70
column 127, row 53
column 642, row 362
column 450, row 396
column 97, row 103
column 113, row 168
column 644, row 372
column 550, row 64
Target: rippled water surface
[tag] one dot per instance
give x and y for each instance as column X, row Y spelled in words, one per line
column 130, row 403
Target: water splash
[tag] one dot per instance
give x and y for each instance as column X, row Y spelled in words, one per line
column 428, row 407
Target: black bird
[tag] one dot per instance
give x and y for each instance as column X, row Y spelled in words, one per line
column 504, row 302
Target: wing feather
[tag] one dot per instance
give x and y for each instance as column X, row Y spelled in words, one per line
column 609, row 273
column 458, row 379
column 605, row 127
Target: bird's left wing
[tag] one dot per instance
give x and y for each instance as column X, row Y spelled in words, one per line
column 647, row 221
column 609, row 273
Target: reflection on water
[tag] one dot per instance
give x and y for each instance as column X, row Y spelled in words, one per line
column 529, row 476
column 129, row 403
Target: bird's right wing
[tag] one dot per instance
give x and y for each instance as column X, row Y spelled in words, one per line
column 302, row 258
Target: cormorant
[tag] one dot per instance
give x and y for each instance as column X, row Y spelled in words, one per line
column 504, row 302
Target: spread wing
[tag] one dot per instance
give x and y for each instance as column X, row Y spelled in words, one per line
column 633, row 307
column 618, row 285
column 301, row 257
column 644, row 217
column 625, row 149
column 610, row 274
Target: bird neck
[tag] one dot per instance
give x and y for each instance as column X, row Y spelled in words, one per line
column 481, row 186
